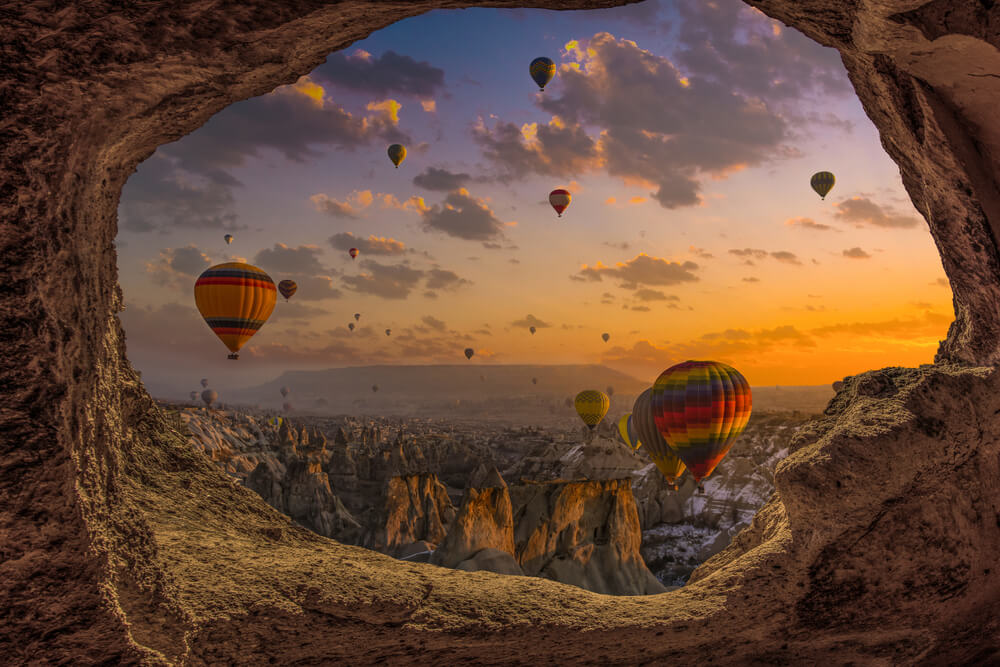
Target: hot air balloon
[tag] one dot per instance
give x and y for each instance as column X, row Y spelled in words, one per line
column 235, row 299
column 610, row 391
column 625, row 430
column 274, row 421
column 534, row 380
column 700, row 408
column 287, row 407
column 353, row 252
column 605, row 337
column 284, row 391
column 838, row 385
column 542, row 70
column 204, row 383
column 287, row 288
column 560, row 200
column 374, row 388
column 350, row 325
column 469, row 352
column 644, row 427
column 194, row 396
column 357, row 317
column 397, row 153
column 228, row 238
column 591, row 405
column 532, row 330
column 822, row 182
column 388, row 332
column 209, row 396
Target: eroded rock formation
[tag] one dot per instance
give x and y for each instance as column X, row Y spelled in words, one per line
column 121, row 544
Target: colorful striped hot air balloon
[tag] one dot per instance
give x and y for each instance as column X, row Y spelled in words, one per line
column 560, row 200
column 822, row 182
column 700, row 408
column 626, row 431
column 644, row 425
column 353, row 252
column 397, row 153
column 542, row 70
column 591, row 405
column 235, row 299
column 287, row 288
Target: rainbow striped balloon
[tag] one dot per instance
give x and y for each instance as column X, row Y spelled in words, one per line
column 235, row 299
column 700, row 408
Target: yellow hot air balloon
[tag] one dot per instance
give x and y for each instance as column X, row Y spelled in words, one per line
column 592, row 405
column 627, row 433
column 235, row 299
column 822, row 182
column 397, row 153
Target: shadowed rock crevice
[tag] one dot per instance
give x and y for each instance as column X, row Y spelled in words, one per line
column 121, row 544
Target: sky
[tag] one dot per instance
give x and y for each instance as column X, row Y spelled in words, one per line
column 686, row 131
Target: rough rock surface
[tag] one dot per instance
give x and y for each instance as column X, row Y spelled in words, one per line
column 485, row 520
column 583, row 533
column 123, row 545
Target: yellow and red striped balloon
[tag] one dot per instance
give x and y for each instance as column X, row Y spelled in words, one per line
column 559, row 199
column 235, row 299
column 700, row 408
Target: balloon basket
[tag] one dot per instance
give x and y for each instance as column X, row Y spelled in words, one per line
column 701, row 488
column 233, row 356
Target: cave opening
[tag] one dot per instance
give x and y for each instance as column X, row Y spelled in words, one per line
column 174, row 563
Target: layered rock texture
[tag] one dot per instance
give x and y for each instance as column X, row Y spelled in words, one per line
column 122, row 545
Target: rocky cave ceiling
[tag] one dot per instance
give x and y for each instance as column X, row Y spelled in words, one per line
column 121, row 545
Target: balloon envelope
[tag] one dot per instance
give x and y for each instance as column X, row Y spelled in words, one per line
column 228, row 238
column 353, row 252
column 209, row 396
column 357, row 317
column 388, row 331
column 625, row 430
column 350, row 325
column 542, row 70
column 397, row 153
column 644, row 425
column 235, row 299
column 287, row 288
column 284, row 391
column 204, row 383
column 469, row 352
column 374, row 387
column 605, row 337
column 591, row 405
column 700, row 408
column 532, row 330
column 822, row 182
column 559, row 199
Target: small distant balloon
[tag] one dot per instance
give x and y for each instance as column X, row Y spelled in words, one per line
column 209, row 396
column 388, row 332
column 287, row 288
column 542, row 70
column 204, row 383
column 228, row 238
column 194, row 396
column 822, row 182
column 284, row 391
column 559, row 199
column 605, row 337
column 350, row 325
column 534, row 380
column 353, row 252
column 532, row 330
column 469, row 352
column 357, row 317
column 610, row 391
column 374, row 388
column 397, row 153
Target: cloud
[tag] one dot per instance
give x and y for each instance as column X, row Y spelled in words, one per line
column 551, row 148
column 700, row 252
column 441, row 180
column 303, row 260
column 750, row 254
column 863, row 211
column 444, row 279
column 295, row 311
column 178, row 266
column 434, row 323
column 530, row 321
column 646, row 294
column 856, row 253
column 807, row 223
column 359, row 201
column 373, row 245
column 641, row 309
column 622, row 245
column 464, row 217
column 642, row 270
column 387, row 74
column 929, row 325
column 751, row 279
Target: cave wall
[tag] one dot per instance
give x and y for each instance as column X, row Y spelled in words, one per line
column 121, row 545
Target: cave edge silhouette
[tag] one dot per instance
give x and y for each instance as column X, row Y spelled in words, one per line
column 80, row 572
